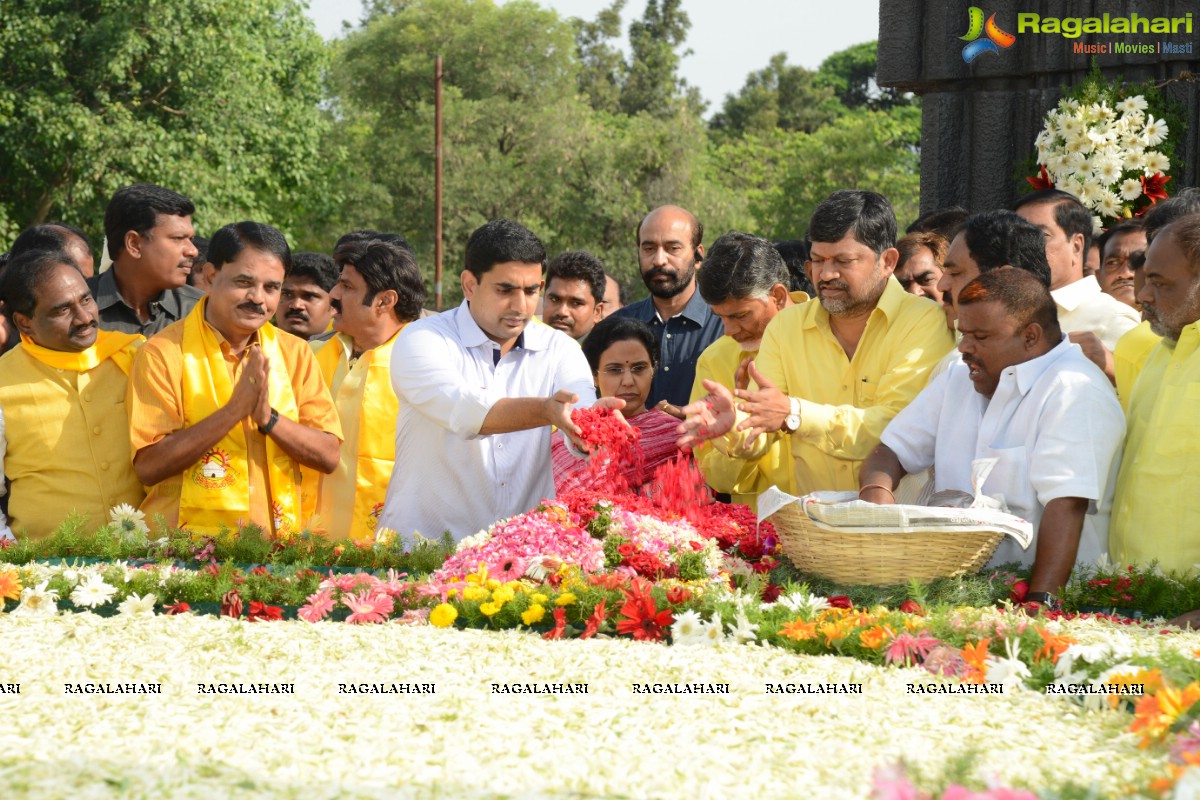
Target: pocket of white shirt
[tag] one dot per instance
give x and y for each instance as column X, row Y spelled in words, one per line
column 1010, row 479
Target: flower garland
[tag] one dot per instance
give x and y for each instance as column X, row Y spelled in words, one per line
column 1108, row 146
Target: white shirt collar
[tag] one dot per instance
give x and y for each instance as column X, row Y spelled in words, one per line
column 1076, row 294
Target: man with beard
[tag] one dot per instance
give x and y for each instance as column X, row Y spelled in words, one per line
column 224, row 408
column 64, row 436
column 832, row 372
column 574, row 293
column 305, row 307
column 669, row 251
column 1027, row 396
column 148, row 230
column 1158, row 499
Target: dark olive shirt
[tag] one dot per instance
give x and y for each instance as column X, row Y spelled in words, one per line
column 117, row 315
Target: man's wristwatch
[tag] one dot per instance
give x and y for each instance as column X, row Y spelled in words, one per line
column 265, row 430
column 791, row 423
column 1044, row 599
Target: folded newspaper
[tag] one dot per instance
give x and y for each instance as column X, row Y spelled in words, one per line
column 844, row 511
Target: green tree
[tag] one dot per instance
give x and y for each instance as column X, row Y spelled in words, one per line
column 784, row 175
column 218, row 99
column 850, row 73
column 781, row 95
column 521, row 141
column 653, row 84
column 602, row 66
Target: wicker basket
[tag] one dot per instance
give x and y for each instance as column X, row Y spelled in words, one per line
column 879, row 558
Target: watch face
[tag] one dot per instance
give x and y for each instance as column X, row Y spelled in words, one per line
column 792, row 422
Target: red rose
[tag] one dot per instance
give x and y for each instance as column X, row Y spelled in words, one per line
column 178, row 608
column 1018, row 591
column 912, row 607
column 261, row 612
column 841, row 601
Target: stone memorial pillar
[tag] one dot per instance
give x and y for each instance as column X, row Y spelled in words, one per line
column 980, row 118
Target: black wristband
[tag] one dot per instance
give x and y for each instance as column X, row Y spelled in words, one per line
column 1045, row 599
column 265, row 430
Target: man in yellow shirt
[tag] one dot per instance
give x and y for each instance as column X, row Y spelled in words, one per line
column 1157, row 501
column 832, row 373
column 378, row 293
column 62, row 395
column 223, row 407
column 745, row 282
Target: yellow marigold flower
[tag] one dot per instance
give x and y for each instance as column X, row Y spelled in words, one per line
column 10, row 585
column 538, row 597
column 565, row 599
column 502, row 594
column 475, row 593
column 492, row 584
column 443, row 615
column 489, row 609
column 533, row 615
column 452, row 593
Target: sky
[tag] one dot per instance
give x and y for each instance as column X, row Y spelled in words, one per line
column 730, row 38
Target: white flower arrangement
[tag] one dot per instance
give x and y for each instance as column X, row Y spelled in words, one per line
column 1103, row 155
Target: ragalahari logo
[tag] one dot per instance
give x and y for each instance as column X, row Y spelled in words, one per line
column 996, row 40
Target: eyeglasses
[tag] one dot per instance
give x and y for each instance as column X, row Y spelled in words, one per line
column 637, row 370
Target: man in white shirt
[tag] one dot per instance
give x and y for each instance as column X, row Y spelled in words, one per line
column 1028, row 397
column 479, row 390
column 1082, row 304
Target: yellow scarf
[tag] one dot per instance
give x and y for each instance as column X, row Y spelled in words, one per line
column 216, row 489
column 109, row 344
column 375, row 453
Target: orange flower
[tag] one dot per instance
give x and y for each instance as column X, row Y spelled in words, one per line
column 976, row 658
column 1156, row 713
column 913, row 623
column 10, row 585
column 799, row 630
column 1053, row 645
column 834, row 632
column 876, row 637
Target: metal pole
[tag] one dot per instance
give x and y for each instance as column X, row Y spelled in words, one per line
column 437, row 183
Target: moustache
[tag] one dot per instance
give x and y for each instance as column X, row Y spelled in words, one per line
column 253, row 308
column 82, row 329
column 845, row 287
column 663, row 272
column 300, row 315
column 336, row 305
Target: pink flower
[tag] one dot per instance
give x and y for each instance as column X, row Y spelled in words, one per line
column 348, row 583
column 367, row 607
column 945, row 660
column 908, row 649
column 891, row 783
column 318, row 608
column 393, row 585
column 414, row 616
column 509, row 569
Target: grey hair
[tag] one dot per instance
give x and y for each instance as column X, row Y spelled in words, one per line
column 740, row 267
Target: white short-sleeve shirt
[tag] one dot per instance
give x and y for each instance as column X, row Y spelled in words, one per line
column 447, row 477
column 1054, row 424
column 1083, row 306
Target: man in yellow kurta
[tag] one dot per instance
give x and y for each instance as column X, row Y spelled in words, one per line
column 61, row 396
column 745, row 282
column 832, row 372
column 1157, row 501
column 224, row 408
column 378, row 293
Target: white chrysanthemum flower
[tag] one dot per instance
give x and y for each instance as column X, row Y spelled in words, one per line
column 1131, row 189
column 1133, row 105
column 1090, row 191
column 37, row 601
column 1107, row 170
column 743, row 629
column 713, row 631
column 1109, row 204
column 1068, row 105
column 1155, row 131
column 1069, row 127
column 135, row 606
column 1097, row 225
column 1076, row 162
column 1102, row 134
column 1103, row 112
column 1156, row 162
column 688, row 628
column 803, row 603
column 129, row 520
column 1009, row 670
column 93, row 592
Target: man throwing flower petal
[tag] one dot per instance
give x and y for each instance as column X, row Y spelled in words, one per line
column 832, row 372
column 223, row 407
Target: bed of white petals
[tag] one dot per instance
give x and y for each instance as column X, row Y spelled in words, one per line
column 465, row 742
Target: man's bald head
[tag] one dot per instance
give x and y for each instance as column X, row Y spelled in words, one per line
column 671, row 214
